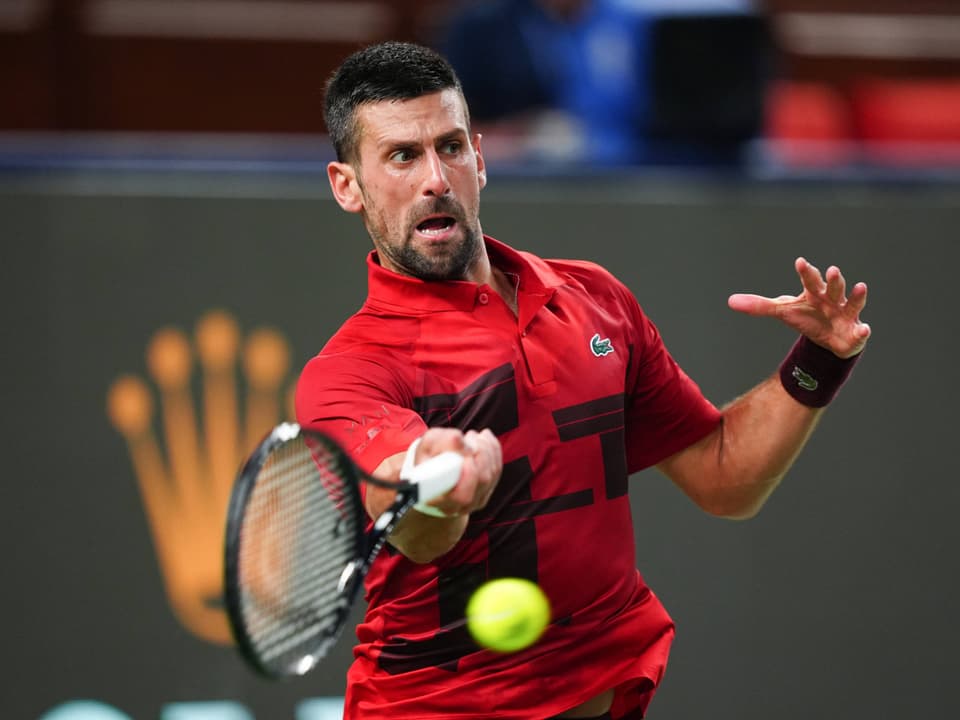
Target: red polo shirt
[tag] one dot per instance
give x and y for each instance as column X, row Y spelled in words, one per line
column 581, row 392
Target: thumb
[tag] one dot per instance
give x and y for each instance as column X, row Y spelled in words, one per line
column 751, row 304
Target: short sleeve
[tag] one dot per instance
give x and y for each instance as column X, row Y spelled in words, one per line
column 361, row 404
column 665, row 410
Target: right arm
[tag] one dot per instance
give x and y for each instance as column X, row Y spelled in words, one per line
column 366, row 407
column 423, row 538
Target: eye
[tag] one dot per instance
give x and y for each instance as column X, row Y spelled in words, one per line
column 452, row 147
column 403, row 155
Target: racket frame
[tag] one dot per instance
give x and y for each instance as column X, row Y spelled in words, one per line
column 366, row 543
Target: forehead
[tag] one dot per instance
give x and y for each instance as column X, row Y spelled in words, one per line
column 416, row 119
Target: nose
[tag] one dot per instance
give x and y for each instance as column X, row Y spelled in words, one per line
column 435, row 183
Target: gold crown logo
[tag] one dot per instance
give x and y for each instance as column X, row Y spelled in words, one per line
column 186, row 490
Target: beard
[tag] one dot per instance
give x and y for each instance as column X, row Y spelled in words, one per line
column 451, row 262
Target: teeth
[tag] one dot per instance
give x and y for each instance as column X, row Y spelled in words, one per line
column 436, row 230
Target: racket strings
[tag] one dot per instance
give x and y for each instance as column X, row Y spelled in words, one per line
column 300, row 534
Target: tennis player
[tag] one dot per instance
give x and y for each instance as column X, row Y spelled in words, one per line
column 550, row 379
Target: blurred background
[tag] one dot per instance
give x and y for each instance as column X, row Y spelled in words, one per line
column 171, row 257
column 774, row 86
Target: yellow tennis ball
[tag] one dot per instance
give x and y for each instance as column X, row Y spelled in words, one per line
column 508, row 614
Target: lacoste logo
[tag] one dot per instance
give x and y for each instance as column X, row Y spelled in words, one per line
column 804, row 380
column 185, row 481
column 600, row 347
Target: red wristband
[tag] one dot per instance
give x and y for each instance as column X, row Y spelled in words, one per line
column 813, row 375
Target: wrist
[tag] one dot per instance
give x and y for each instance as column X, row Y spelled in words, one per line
column 812, row 375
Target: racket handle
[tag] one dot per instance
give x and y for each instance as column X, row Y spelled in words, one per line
column 433, row 477
column 436, row 475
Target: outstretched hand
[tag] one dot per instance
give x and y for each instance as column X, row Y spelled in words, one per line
column 823, row 311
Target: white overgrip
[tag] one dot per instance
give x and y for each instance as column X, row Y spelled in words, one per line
column 433, row 477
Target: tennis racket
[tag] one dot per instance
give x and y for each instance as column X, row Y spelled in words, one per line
column 296, row 548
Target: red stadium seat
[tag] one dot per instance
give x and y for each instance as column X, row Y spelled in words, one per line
column 905, row 110
column 809, row 124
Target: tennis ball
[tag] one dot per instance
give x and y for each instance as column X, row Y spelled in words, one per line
column 507, row 614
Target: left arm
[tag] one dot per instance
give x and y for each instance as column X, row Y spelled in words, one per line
column 732, row 471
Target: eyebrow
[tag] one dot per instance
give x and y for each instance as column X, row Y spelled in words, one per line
column 455, row 134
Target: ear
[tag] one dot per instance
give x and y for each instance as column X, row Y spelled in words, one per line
column 346, row 189
column 481, row 165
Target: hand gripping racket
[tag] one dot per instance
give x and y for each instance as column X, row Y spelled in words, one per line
column 296, row 549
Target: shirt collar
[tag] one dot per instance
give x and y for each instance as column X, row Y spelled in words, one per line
column 385, row 287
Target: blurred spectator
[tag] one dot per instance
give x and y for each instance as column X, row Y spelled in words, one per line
column 615, row 81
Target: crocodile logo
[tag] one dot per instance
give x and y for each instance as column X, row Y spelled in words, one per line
column 804, row 380
column 600, row 347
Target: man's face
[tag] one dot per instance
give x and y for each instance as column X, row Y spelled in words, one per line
column 419, row 175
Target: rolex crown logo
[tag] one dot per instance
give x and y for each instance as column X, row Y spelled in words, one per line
column 185, row 483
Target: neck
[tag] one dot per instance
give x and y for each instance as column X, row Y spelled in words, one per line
column 484, row 273
column 505, row 287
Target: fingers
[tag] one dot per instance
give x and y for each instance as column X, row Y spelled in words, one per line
column 482, row 466
column 833, row 286
column 810, row 276
column 832, row 319
column 482, row 469
column 835, row 290
column 438, row 440
column 855, row 304
column 486, row 450
column 858, row 298
column 836, row 285
column 821, row 312
column 813, row 285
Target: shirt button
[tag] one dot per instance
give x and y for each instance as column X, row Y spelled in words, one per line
column 483, row 299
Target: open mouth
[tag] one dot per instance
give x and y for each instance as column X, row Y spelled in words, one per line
column 436, row 225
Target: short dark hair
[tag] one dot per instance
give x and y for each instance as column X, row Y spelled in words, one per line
column 387, row 71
